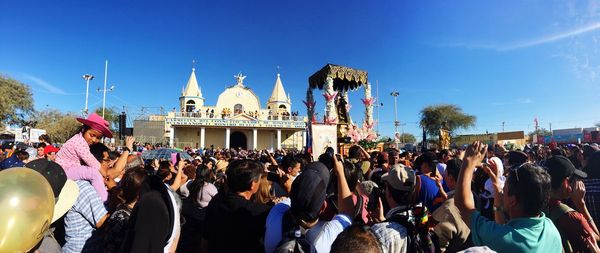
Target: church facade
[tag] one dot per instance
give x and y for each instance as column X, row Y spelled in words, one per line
column 238, row 120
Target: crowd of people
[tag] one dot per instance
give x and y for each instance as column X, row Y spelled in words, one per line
column 477, row 198
column 227, row 112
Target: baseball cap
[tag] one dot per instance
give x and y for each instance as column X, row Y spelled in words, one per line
column 65, row 190
column 308, row 192
column 49, row 149
column 560, row 167
column 400, row 178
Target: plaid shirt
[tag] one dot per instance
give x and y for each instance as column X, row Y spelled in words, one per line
column 592, row 197
column 391, row 235
column 81, row 220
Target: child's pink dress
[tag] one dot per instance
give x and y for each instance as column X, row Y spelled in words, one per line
column 75, row 151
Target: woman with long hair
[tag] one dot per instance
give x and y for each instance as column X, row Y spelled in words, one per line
column 194, row 209
column 264, row 195
column 125, row 198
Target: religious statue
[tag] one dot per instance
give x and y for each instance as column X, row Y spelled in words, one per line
column 444, row 139
column 342, row 110
column 240, row 78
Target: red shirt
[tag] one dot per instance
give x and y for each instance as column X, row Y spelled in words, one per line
column 575, row 227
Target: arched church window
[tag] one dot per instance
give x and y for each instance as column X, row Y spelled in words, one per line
column 190, row 106
column 238, row 108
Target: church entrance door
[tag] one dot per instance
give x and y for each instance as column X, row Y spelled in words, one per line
column 238, row 140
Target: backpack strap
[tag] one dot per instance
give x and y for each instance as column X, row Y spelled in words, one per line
column 289, row 227
column 555, row 212
column 293, row 237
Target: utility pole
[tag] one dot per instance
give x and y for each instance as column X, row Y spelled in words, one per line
column 87, row 78
column 395, row 94
column 503, row 126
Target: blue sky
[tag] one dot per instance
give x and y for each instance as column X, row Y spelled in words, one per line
column 508, row 61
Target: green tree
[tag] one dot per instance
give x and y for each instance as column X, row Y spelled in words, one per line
column 541, row 132
column 111, row 114
column 16, row 101
column 385, row 139
column 408, row 138
column 598, row 124
column 448, row 116
column 58, row 125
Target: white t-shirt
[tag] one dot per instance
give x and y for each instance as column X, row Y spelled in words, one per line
column 321, row 235
column 172, row 242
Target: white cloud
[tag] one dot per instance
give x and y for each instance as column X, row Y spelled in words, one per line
column 47, row 86
column 518, row 101
column 525, row 101
column 526, row 43
column 551, row 38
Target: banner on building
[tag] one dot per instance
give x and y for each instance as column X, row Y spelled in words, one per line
column 323, row 136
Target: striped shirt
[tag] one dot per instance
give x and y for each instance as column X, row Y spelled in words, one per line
column 81, row 220
column 592, row 197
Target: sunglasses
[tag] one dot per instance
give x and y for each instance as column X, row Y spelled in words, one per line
column 516, row 170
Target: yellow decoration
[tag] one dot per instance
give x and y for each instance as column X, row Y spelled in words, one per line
column 26, row 209
column 444, row 139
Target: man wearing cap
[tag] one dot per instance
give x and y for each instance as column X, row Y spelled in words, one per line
column 400, row 185
column 50, row 152
column 306, row 202
column 576, row 232
column 65, row 193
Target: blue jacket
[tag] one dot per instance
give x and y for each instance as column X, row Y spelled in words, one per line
column 11, row 162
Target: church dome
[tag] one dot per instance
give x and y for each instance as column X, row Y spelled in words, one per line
column 238, row 95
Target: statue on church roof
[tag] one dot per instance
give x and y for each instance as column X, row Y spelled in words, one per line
column 240, row 78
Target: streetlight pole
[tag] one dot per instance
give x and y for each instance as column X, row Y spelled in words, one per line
column 87, row 78
column 395, row 94
column 104, row 90
column 112, row 87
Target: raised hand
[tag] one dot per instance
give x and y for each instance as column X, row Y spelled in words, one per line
column 129, row 140
column 475, row 154
column 578, row 193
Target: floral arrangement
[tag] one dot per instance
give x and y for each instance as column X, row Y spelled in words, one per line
column 365, row 133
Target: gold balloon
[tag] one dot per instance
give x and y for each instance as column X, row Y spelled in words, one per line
column 26, row 208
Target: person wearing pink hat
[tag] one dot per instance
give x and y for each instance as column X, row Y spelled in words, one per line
column 77, row 150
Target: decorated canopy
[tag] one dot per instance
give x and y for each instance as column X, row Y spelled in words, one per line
column 344, row 78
